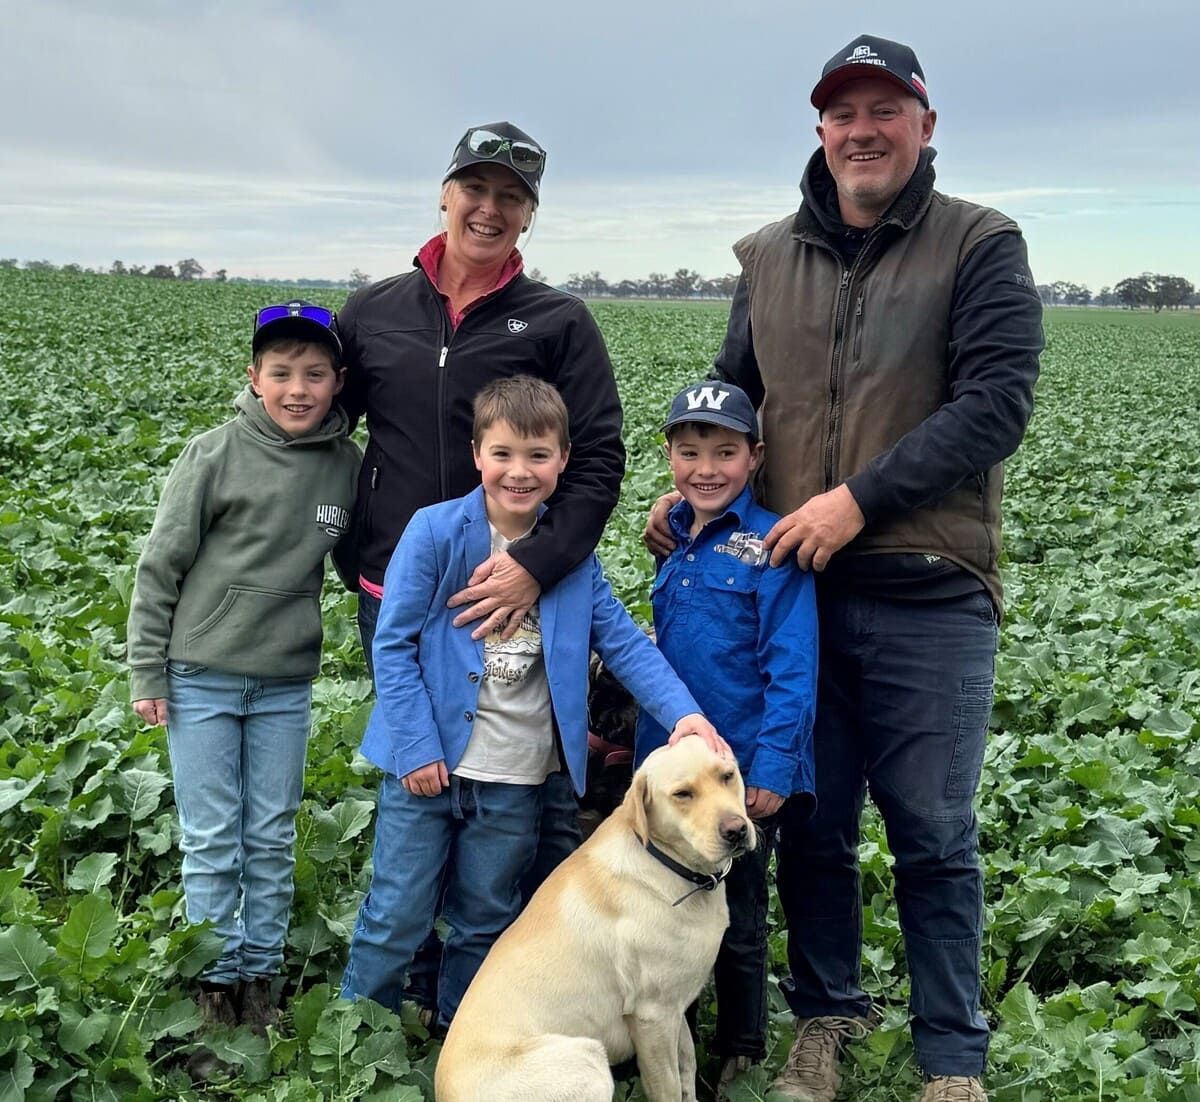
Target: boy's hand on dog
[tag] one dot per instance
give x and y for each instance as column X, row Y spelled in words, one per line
column 429, row 780
column 499, row 589
column 657, row 534
column 153, row 712
column 696, row 724
column 761, row 802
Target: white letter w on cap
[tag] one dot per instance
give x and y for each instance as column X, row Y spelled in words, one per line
column 706, row 396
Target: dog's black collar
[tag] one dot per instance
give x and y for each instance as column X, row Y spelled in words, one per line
column 704, row 881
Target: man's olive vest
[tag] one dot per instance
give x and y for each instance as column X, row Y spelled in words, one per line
column 852, row 359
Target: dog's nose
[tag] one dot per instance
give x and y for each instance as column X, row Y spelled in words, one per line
column 734, row 830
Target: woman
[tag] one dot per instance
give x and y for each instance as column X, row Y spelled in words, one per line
column 418, row 347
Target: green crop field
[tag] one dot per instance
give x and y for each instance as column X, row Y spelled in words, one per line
column 1090, row 801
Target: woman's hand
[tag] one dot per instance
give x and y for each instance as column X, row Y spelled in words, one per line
column 696, row 724
column 153, row 712
column 429, row 780
column 501, row 591
column 657, row 534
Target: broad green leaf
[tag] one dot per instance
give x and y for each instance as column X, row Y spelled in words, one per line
column 336, row 1030
column 93, row 872
column 76, row 1033
column 141, row 792
column 352, row 817
column 23, row 952
column 13, row 790
column 1019, row 1011
column 250, row 1052
column 89, row 929
column 15, row 1080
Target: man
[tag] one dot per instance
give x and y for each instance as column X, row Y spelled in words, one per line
column 890, row 336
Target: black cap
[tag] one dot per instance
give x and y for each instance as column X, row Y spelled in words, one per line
column 503, row 144
column 868, row 56
column 714, row 403
column 296, row 320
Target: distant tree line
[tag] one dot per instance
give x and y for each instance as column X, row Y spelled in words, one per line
column 685, row 283
column 1148, row 290
column 1158, row 292
column 187, row 269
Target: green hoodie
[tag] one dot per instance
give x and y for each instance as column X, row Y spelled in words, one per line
column 230, row 576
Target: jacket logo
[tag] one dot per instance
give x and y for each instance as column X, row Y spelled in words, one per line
column 706, row 396
column 333, row 518
column 515, row 325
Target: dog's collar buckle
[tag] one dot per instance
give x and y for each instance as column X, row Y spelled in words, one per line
column 704, row 881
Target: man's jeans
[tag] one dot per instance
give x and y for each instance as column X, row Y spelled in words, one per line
column 237, row 749
column 465, row 849
column 903, row 701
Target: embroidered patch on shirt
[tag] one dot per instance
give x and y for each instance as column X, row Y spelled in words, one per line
column 746, row 547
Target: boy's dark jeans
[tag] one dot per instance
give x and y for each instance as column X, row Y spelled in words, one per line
column 559, row 835
column 903, row 701
column 740, row 974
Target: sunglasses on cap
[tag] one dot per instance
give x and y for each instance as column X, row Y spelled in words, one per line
column 269, row 314
column 523, row 156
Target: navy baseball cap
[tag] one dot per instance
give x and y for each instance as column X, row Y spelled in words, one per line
column 714, row 403
column 868, row 56
column 500, row 143
column 296, row 320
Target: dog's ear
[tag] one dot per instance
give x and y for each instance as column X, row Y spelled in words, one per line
column 638, row 799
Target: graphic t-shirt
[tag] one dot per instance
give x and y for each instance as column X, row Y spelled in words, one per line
column 512, row 740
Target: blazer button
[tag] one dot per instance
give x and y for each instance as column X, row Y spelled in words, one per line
column 469, row 716
column 472, row 676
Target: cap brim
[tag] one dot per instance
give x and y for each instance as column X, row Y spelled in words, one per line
column 299, row 329
column 468, row 159
column 707, row 418
column 829, row 83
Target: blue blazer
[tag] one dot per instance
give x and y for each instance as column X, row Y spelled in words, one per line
column 427, row 671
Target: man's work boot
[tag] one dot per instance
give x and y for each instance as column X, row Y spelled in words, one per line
column 811, row 1073
column 953, row 1088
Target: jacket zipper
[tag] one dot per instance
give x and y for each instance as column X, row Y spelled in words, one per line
column 835, row 367
column 839, row 336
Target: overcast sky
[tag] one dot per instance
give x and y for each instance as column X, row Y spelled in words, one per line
column 305, row 139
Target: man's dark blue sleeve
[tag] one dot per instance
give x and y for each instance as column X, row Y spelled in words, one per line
column 995, row 340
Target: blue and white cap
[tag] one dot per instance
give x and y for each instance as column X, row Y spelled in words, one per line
column 715, row 403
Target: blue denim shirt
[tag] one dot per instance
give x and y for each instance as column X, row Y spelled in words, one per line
column 742, row 635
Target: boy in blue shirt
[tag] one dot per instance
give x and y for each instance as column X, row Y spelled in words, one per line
column 743, row 637
column 468, row 730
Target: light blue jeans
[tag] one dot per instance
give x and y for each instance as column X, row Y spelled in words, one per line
column 237, row 753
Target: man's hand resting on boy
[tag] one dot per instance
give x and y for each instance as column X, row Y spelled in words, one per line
column 429, row 780
column 696, row 724
column 657, row 534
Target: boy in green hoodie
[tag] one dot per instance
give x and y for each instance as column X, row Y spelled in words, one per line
column 224, row 641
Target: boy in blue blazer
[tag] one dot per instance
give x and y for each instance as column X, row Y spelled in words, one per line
column 467, row 730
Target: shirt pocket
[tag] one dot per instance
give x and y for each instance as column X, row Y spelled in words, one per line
column 728, row 606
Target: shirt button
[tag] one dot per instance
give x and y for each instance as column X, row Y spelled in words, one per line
column 469, row 716
column 729, row 581
column 686, row 582
column 472, row 676
column 691, row 558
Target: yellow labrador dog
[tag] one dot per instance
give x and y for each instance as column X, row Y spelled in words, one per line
column 611, row 950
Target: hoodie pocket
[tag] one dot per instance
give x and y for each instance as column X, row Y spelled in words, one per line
column 285, row 623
